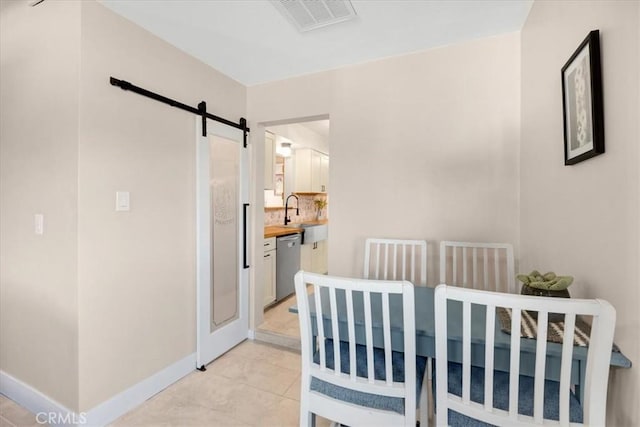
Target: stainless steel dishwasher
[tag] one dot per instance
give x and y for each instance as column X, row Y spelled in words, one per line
column 287, row 264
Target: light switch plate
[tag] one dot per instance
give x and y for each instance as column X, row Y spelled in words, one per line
column 122, row 201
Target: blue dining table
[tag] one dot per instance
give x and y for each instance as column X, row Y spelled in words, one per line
column 425, row 335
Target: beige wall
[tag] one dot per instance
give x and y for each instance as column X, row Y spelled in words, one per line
column 103, row 300
column 40, row 56
column 137, row 269
column 583, row 219
column 422, row 146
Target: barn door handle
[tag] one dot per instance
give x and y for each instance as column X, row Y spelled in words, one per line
column 245, row 248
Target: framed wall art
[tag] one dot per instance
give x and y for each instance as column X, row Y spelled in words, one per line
column 582, row 102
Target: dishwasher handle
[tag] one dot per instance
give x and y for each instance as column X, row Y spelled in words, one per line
column 291, row 238
column 288, row 242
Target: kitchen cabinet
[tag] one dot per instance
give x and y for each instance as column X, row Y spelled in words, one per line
column 269, row 160
column 324, row 173
column 269, row 294
column 319, row 258
column 313, row 257
column 311, row 171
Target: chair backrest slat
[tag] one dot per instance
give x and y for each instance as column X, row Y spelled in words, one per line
column 320, row 325
column 352, row 334
column 491, row 265
column 488, row 356
column 413, row 264
column 520, row 307
column 485, row 258
column 401, row 260
column 386, row 262
column 377, row 261
column 409, row 328
column 475, row 268
column 369, row 335
column 363, row 305
column 386, row 319
column 466, row 351
column 514, row 364
column 395, row 262
column 541, row 360
column 335, row 331
column 565, row 366
column 598, row 355
column 496, row 268
column 464, row 268
column 455, row 265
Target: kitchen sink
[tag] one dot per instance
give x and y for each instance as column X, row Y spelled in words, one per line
column 312, row 232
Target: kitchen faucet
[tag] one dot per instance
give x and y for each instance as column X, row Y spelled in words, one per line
column 286, row 208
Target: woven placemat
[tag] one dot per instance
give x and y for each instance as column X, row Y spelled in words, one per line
column 555, row 330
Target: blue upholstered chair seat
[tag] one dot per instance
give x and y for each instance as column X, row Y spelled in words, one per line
column 501, row 395
column 366, row 399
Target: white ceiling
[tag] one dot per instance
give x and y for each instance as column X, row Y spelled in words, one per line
column 251, row 42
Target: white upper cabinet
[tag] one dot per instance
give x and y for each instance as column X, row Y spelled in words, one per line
column 269, row 160
column 324, row 173
column 311, row 171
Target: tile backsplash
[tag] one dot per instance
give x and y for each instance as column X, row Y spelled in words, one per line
column 308, row 211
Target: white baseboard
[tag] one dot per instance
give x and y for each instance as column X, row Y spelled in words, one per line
column 122, row 403
column 37, row 403
column 104, row 413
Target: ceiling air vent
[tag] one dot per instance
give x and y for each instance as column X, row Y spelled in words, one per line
column 308, row 15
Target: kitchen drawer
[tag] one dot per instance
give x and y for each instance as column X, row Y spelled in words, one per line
column 269, row 244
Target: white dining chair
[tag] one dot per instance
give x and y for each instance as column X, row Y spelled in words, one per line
column 473, row 396
column 358, row 384
column 485, row 266
column 396, row 259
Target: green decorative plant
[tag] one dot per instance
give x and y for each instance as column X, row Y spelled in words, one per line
column 320, row 203
column 548, row 282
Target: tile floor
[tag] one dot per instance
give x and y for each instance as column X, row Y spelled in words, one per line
column 278, row 319
column 254, row 384
column 14, row 415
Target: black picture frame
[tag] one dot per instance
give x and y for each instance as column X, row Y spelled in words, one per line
column 582, row 109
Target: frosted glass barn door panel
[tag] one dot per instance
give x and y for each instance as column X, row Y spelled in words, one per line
column 224, row 170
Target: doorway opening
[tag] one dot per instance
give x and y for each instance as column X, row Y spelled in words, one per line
column 296, row 219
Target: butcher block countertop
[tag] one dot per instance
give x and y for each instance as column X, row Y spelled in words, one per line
column 279, row 230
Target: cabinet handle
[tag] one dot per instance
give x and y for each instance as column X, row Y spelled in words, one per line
column 267, row 255
column 266, row 244
column 323, row 188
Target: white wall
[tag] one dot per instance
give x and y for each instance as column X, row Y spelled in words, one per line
column 40, row 56
column 583, row 219
column 422, row 146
